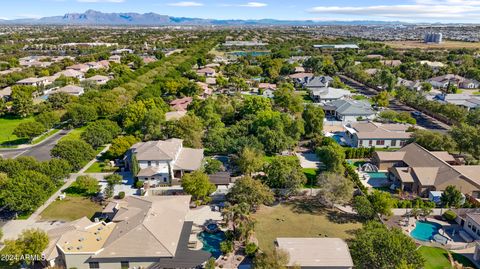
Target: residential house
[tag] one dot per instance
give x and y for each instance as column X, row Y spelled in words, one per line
column 143, row 232
column 115, row 58
column 181, row 104
column 34, row 82
column 6, row 93
column 392, row 63
column 442, row 82
column 374, row 56
column 371, row 71
column 79, row 67
column 70, row 73
column 471, row 225
column 175, row 115
column 317, row 82
column 98, row 79
column 316, row 253
column 327, row 94
column 417, row 170
column 71, row 90
column 349, row 110
column 467, row 101
column 207, row 91
column 411, row 85
column 300, row 78
column 373, row 134
column 433, row 65
column 207, row 72
column 163, row 163
column 299, row 69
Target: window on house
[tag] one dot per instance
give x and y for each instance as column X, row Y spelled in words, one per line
column 370, row 142
column 402, row 143
column 469, row 225
column 149, row 163
column 94, row 265
column 157, row 163
column 124, row 265
column 394, row 143
column 478, row 232
column 164, row 179
column 474, row 228
column 380, row 142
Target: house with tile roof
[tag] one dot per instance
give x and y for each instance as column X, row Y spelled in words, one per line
column 163, row 163
column 349, row 110
column 417, row 170
column 143, row 232
column 374, row 134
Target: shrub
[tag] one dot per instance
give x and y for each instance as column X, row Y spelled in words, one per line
column 226, row 247
column 138, row 184
column 121, row 195
column 450, row 215
column 251, row 249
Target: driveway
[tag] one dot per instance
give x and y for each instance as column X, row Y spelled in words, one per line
column 41, row 151
column 308, row 160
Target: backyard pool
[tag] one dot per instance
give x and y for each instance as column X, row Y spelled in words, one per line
column 211, row 242
column 377, row 175
column 425, row 230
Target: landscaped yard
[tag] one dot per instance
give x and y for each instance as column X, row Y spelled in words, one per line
column 301, row 219
column 71, row 208
column 6, row 132
column 437, row 258
column 74, row 134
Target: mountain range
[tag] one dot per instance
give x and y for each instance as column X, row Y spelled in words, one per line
column 97, row 18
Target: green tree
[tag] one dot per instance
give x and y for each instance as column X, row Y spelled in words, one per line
column 277, row 259
column 377, row 247
column 189, row 128
column 251, row 192
column 26, row 191
column 22, row 100
column 381, row 99
column 59, row 100
column 313, row 117
column 332, row 156
column 363, row 207
column 434, row 141
column 77, row 152
column 100, row 132
column 285, row 173
column 56, row 169
column 213, row 166
column 286, row 99
column 334, row 189
column 30, row 244
column 86, row 185
column 198, row 185
column 79, row 114
column 29, row 130
column 451, row 197
column 382, row 202
column 120, row 145
column 112, row 181
column 250, row 160
column 49, row 119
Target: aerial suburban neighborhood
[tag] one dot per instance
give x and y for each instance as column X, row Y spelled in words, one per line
column 147, row 141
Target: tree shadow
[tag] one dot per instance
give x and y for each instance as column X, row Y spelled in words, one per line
column 306, row 206
column 16, row 142
column 339, row 217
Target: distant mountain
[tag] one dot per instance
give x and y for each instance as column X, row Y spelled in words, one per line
column 92, row 17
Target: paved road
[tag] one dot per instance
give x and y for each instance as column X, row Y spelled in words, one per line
column 423, row 120
column 41, row 151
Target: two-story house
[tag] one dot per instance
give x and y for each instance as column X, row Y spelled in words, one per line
column 163, row 163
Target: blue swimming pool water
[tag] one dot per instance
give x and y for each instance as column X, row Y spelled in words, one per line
column 425, row 230
column 211, row 242
column 251, row 53
column 377, row 175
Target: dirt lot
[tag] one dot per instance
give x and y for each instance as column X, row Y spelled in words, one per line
column 444, row 45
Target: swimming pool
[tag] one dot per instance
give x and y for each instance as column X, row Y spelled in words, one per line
column 211, row 242
column 425, row 230
column 377, row 175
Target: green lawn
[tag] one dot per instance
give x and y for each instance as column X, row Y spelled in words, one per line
column 437, row 258
column 74, row 134
column 301, row 219
column 71, row 208
column 269, row 159
column 8, row 124
column 311, row 174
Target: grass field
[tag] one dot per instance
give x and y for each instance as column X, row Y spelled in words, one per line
column 71, row 208
column 421, row 45
column 437, row 258
column 301, row 219
column 6, row 131
column 74, row 134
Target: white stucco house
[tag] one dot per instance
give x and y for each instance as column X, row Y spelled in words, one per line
column 163, row 163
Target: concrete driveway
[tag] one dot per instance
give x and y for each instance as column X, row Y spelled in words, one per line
column 308, row 160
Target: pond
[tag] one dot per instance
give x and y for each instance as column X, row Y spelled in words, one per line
column 211, row 242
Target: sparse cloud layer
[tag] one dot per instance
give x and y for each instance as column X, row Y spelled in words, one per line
column 420, row 9
column 186, row 4
column 101, row 1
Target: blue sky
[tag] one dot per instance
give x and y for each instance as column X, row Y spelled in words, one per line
column 390, row 10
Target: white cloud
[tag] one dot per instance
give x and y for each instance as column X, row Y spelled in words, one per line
column 253, row 4
column 420, row 9
column 186, row 4
column 101, row 1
